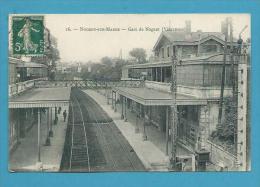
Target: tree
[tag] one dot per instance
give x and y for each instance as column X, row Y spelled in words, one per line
column 51, row 54
column 226, row 134
column 107, row 61
column 104, row 70
column 139, row 54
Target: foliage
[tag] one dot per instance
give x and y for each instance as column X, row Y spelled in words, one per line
column 51, row 55
column 226, row 133
column 104, row 70
column 107, row 61
column 139, row 54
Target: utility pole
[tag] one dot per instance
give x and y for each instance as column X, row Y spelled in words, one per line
column 242, row 136
column 233, row 81
column 223, row 77
column 242, row 115
column 120, row 54
column 232, row 58
column 174, row 113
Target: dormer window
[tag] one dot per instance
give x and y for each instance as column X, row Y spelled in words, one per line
column 156, row 53
column 162, row 52
column 168, row 51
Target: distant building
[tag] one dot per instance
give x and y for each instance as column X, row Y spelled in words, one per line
column 79, row 68
column 62, row 67
column 20, row 70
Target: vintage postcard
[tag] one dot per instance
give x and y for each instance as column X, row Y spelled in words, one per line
column 129, row 92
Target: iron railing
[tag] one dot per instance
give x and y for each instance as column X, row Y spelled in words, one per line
column 90, row 84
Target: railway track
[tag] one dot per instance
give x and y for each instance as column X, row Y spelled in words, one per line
column 107, row 128
column 93, row 142
column 79, row 155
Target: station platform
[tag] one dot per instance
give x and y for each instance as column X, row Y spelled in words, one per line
column 153, row 158
column 25, row 157
column 152, row 152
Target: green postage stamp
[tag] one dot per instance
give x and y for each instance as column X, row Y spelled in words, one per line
column 28, row 35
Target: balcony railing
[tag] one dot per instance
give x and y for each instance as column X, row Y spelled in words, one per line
column 20, row 87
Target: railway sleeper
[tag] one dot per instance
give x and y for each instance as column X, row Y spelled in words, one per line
column 79, row 158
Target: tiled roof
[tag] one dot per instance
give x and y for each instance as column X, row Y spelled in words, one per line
column 181, row 37
column 191, row 37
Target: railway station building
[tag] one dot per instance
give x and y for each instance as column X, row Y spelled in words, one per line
column 22, row 75
column 200, row 58
column 31, row 107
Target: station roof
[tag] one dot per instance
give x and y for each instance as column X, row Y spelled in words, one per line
column 41, row 98
column 190, row 38
column 21, row 63
column 30, row 65
column 152, row 97
column 207, row 59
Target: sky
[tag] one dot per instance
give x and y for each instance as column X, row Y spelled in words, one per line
column 87, row 45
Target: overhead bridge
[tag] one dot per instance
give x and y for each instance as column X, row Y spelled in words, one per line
column 89, row 84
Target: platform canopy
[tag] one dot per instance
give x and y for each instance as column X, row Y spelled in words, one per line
column 151, row 97
column 41, row 98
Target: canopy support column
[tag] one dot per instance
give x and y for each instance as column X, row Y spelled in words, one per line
column 167, row 130
column 137, row 118
column 39, row 163
column 50, row 132
column 122, row 107
column 125, row 109
column 115, row 109
column 144, row 124
column 48, row 141
column 112, row 106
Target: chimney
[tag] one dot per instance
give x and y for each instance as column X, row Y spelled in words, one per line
column 188, row 26
column 223, row 27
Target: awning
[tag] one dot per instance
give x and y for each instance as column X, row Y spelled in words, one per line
column 24, row 64
column 205, row 59
column 41, row 98
column 151, row 97
column 30, row 65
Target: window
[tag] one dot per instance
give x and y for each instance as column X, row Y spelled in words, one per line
column 168, row 51
column 156, row 53
column 208, row 48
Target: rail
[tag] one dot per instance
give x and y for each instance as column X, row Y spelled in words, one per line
column 72, row 137
column 103, row 138
column 109, row 125
column 85, row 134
column 72, row 133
